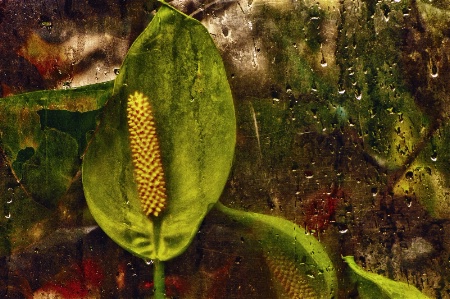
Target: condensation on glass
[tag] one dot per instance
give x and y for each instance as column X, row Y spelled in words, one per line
column 342, row 111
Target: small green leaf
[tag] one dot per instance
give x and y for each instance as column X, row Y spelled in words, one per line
column 427, row 179
column 41, row 146
column 174, row 65
column 372, row 285
column 298, row 262
column 436, row 17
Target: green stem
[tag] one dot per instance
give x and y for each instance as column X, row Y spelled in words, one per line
column 158, row 279
column 237, row 215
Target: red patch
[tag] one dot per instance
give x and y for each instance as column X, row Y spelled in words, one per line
column 321, row 209
column 219, row 279
column 92, row 273
column 175, row 286
column 78, row 281
column 70, row 290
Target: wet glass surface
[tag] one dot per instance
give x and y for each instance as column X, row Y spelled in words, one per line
column 342, row 114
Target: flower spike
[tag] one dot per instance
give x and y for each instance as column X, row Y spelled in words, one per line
column 146, row 157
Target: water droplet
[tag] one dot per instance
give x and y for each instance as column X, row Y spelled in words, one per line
column 341, row 91
column 374, row 191
column 238, row 260
column 66, row 85
column 11, row 195
column 358, row 96
column 434, row 71
column 409, row 175
column 343, row 230
column 47, row 25
column 116, row 71
column 309, row 174
column 8, row 216
column 323, row 62
column 310, row 274
column 149, row 262
column 408, row 202
column 434, row 157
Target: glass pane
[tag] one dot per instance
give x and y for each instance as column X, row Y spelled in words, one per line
column 342, row 115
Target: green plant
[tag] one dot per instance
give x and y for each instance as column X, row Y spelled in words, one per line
column 195, row 125
column 175, row 68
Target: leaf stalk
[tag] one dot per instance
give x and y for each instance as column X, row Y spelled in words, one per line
column 158, row 279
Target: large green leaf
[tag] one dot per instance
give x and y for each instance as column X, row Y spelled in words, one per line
column 175, row 64
column 371, row 285
column 427, row 179
column 43, row 134
column 299, row 263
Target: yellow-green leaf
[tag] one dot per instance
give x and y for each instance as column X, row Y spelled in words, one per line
column 298, row 262
column 371, row 285
column 175, row 67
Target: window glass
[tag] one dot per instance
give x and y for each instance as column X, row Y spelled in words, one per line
column 342, row 131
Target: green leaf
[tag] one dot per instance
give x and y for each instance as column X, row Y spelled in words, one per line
column 298, row 262
column 437, row 17
column 44, row 133
column 25, row 221
column 377, row 97
column 372, row 285
column 427, row 179
column 44, row 156
column 175, row 64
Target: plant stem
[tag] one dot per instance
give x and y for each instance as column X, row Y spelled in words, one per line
column 158, row 279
